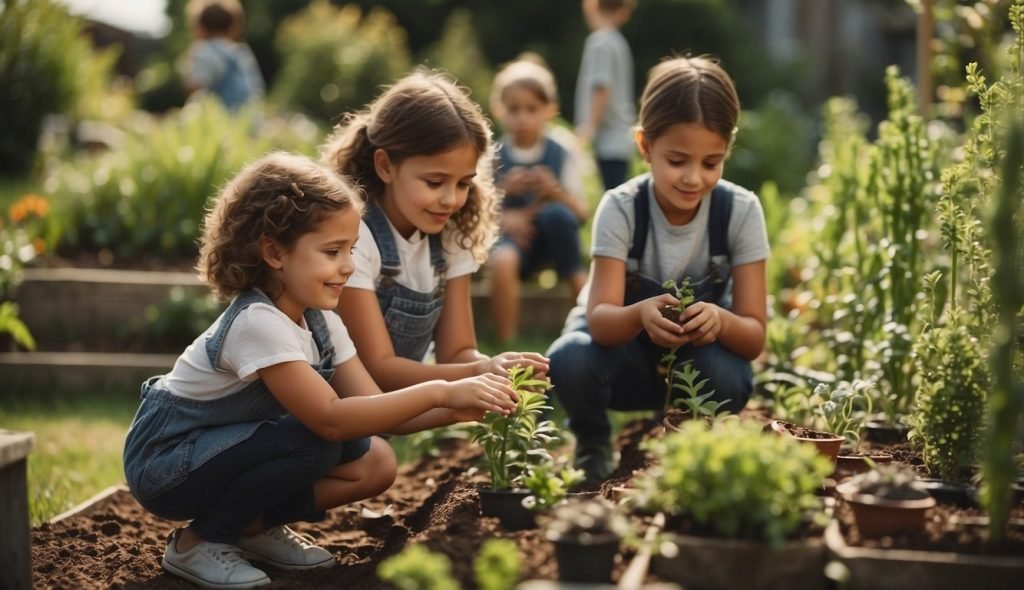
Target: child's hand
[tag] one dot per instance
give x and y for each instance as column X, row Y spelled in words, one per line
column 702, row 323
column 663, row 331
column 473, row 396
column 547, row 185
column 519, row 180
column 501, row 363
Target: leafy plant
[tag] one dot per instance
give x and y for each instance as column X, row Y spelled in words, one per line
column 732, row 481
column 844, row 409
column 11, row 324
column 515, row 442
column 684, row 294
column 585, row 520
column 498, row 567
column 698, row 405
column 549, row 484
column 418, row 568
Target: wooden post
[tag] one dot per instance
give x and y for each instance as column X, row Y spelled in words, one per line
column 925, row 33
column 15, row 534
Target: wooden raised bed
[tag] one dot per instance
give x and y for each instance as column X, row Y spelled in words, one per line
column 15, row 556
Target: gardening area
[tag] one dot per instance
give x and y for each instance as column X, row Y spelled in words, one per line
column 883, row 446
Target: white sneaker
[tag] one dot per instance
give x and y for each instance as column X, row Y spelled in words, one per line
column 286, row 549
column 212, row 565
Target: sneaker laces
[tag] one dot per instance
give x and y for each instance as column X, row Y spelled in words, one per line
column 283, row 533
column 228, row 555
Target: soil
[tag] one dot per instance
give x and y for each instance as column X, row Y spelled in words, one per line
column 801, row 432
column 116, row 543
column 670, row 313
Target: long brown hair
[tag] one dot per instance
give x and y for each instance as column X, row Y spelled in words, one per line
column 689, row 90
column 280, row 196
column 423, row 114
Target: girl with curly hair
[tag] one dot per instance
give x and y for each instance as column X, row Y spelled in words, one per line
column 423, row 153
column 269, row 417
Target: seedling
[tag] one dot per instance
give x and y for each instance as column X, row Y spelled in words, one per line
column 514, row 442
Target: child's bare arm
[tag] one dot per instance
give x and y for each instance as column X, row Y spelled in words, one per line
column 741, row 330
column 612, row 323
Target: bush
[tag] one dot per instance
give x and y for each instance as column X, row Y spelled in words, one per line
column 45, row 65
column 336, row 60
column 149, row 196
column 458, row 53
column 733, row 481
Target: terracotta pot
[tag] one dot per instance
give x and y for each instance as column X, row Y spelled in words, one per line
column 850, row 465
column 878, row 517
column 877, row 431
column 586, row 562
column 507, row 505
column 828, row 444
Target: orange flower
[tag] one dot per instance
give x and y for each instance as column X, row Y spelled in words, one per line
column 39, row 245
column 30, row 204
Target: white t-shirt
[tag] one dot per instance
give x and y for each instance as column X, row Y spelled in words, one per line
column 260, row 336
column 416, row 273
column 676, row 250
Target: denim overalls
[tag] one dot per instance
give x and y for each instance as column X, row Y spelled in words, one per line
column 410, row 316
column 180, row 452
column 590, row 378
column 553, row 157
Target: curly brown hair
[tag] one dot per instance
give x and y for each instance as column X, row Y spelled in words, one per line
column 280, row 196
column 423, row 114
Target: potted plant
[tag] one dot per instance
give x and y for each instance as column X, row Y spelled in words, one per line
column 740, row 500
column 886, row 501
column 843, row 410
column 826, row 443
column 511, row 445
column 586, row 535
column 692, row 403
column 549, row 485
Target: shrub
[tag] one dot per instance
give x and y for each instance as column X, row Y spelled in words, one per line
column 733, row 481
column 498, row 567
column 418, row 568
column 149, row 196
column 458, row 53
column 336, row 59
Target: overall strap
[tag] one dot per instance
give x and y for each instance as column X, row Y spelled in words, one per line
column 437, row 261
column 316, row 324
column 553, row 157
column 215, row 343
column 718, row 221
column 380, row 228
column 642, row 214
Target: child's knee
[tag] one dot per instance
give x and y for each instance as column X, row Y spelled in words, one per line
column 504, row 259
column 381, row 467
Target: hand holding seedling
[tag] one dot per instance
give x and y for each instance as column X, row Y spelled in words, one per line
column 701, row 323
column 663, row 331
column 546, row 184
column 517, row 224
column 501, row 363
column 472, row 396
column 518, row 180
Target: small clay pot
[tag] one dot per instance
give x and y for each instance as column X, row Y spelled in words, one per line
column 507, row 505
column 950, row 492
column 880, row 432
column 877, row 516
column 827, row 443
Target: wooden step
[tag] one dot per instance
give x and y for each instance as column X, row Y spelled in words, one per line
column 103, row 373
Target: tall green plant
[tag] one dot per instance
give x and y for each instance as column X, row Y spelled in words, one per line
column 514, row 442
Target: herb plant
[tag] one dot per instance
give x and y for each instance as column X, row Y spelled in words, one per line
column 549, row 484
column 684, row 294
column 515, row 442
column 843, row 409
column 733, row 481
column 418, row 568
column 498, row 566
column 585, row 521
column 697, row 404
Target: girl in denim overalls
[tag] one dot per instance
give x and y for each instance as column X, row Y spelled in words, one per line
column 422, row 152
column 543, row 207
column 680, row 221
column 267, row 418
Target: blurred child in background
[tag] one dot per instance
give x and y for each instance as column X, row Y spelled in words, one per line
column 218, row 61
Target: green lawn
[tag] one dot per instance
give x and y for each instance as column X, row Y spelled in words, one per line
column 77, row 453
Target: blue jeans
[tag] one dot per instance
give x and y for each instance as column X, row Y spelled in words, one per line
column 268, row 476
column 613, row 172
column 556, row 238
column 589, row 379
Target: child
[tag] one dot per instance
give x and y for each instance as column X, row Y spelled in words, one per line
column 267, row 418
column 422, row 152
column 681, row 220
column 543, row 205
column 604, row 89
column 218, row 61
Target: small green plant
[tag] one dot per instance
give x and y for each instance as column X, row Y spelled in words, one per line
column 498, row 566
column 418, row 568
column 733, row 481
column 549, row 484
column 514, row 442
column 696, row 404
column 844, row 409
column 684, row 294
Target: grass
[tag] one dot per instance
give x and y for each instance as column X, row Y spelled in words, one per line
column 78, row 443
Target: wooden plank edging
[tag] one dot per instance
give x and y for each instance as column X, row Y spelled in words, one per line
column 103, row 495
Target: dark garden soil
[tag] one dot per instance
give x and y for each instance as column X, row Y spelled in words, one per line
column 116, row 543
column 801, row 432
